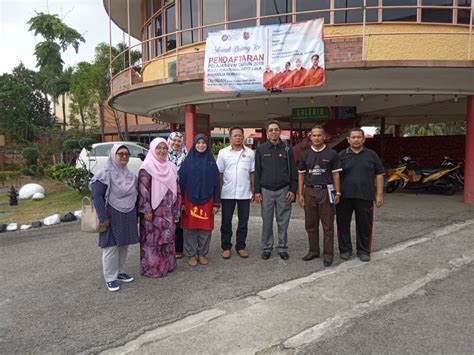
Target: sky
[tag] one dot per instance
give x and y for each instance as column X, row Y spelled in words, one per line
column 88, row 17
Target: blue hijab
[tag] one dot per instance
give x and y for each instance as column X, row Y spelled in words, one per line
column 198, row 175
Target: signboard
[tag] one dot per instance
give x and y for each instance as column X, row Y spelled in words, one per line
column 311, row 113
column 274, row 58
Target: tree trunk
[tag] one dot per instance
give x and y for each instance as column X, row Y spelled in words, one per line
column 81, row 113
column 101, row 117
column 117, row 123
column 64, row 110
column 127, row 137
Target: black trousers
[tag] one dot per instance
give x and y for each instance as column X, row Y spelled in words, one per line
column 178, row 238
column 364, row 217
column 243, row 212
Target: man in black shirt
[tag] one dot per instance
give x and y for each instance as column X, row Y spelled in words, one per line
column 275, row 188
column 361, row 183
column 318, row 192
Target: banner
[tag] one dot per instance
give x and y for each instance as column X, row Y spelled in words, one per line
column 273, row 58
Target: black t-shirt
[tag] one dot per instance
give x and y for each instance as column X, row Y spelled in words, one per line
column 319, row 166
column 358, row 173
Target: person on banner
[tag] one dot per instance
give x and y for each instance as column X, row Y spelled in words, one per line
column 300, row 75
column 362, row 181
column 318, row 192
column 268, row 76
column 177, row 153
column 275, row 188
column 159, row 207
column 236, row 164
column 200, row 182
column 114, row 194
column 317, row 75
column 287, row 77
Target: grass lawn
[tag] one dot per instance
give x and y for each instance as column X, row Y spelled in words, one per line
column 59, row 198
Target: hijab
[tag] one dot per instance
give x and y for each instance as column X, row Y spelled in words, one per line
column 176, row 156
column 121, row 182
column 163, row 174
column 198, row 174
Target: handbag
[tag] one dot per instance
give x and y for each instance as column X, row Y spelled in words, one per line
column 89, row 219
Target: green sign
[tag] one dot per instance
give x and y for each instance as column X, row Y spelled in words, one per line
column 311, row 113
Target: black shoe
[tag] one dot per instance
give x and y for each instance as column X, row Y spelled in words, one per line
column 309, row 257
column 327, row 261
column 284, row 255
column 345, row 256
column 364, row 257
column 266, row 255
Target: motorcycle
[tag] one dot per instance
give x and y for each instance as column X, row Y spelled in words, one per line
column 447, row 179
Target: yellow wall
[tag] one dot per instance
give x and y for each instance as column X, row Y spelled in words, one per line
column 382, row 42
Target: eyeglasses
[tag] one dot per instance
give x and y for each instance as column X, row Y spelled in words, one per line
column 123, row 155
column 274, row 130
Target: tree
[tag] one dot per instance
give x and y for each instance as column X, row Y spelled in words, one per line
column 103, row 77
column 84, row 97
column 57, row 37
column 23, row 109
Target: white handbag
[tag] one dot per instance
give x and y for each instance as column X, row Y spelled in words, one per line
column 89, row 219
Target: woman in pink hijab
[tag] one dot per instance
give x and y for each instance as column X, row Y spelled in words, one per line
column 159, row 203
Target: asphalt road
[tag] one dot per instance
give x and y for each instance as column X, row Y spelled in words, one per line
column 53, row 298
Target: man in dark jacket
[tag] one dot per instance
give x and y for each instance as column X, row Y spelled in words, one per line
column 276, row 181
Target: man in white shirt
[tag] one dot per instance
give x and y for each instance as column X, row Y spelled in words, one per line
column 236, row 165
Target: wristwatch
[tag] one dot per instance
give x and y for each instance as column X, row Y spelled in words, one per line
column 338, row 194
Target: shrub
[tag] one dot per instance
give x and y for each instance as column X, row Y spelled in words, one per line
column 31, row 156
column 77, row 178
column 27, row 172
column 218, row 146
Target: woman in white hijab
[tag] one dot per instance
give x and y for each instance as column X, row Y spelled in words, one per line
column 114, row 194
column 176, row 154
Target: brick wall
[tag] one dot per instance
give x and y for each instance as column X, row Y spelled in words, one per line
column 340, row 50
column 10, row 155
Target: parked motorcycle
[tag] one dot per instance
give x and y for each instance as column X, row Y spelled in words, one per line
column 447, row 179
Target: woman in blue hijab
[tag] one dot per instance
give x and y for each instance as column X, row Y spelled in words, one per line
column 200, row 185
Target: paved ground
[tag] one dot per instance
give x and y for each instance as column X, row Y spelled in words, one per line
column 53, row 298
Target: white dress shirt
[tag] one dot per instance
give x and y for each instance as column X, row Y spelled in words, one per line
column 236, row 165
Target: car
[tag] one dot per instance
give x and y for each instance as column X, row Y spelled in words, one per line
column 96, row 158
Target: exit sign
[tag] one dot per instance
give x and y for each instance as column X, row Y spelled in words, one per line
column 311, row 113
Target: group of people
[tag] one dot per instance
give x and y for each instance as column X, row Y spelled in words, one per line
column 177, row 194
column 294, row 78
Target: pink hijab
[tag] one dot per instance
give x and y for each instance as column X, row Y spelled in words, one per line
column 164, row 174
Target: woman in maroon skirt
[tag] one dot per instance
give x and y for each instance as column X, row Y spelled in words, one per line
column 159, row 206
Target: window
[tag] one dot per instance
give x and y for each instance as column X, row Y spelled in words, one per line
column 149, row 44
column 189, row 19
column 213, row 12
column 307, row 5
column 148, row 9
column 156, row 5
column 275, row 7
column 437, row 15
column 134, row 150
column 241, row 9
column 102, row 150
column 464, row 14
column 355, row 16
column 170, row 15
column 399, row 14
column 158, row 33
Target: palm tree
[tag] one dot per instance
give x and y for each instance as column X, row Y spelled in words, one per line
column 57, row 37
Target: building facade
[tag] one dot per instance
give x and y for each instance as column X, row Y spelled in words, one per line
column 397, row 61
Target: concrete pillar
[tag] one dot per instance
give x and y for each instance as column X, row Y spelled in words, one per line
column 189, row 126
column 469, row 156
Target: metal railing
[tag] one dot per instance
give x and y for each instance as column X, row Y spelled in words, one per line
column 168, row 55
